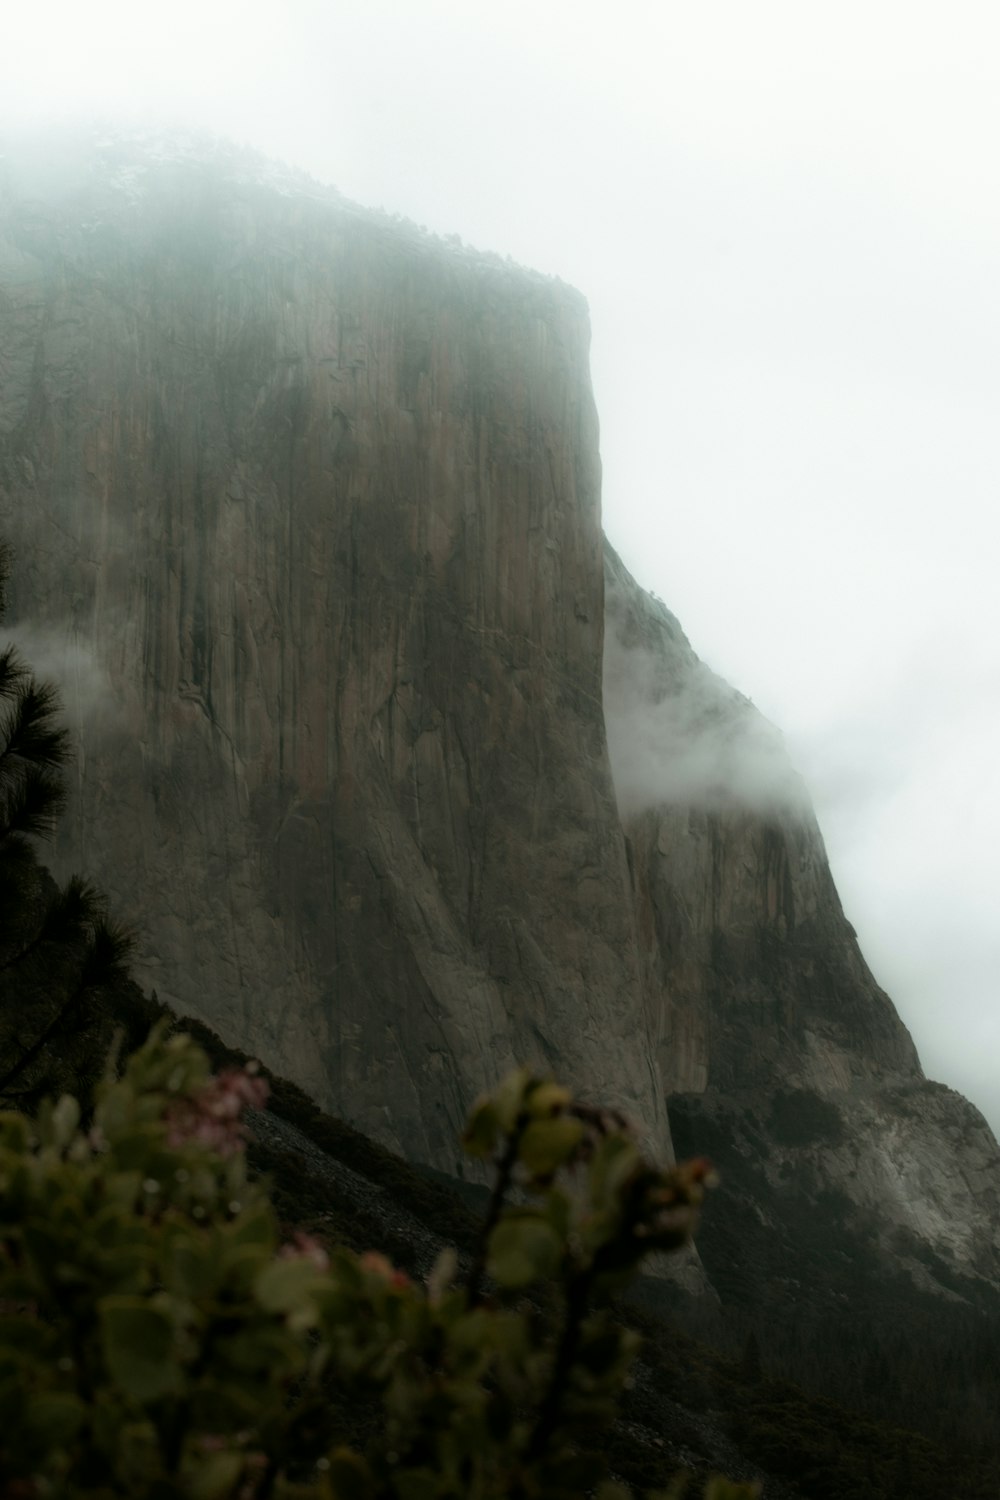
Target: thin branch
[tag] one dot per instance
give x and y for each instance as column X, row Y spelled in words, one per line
column 577, row 1298
column 505, row 1170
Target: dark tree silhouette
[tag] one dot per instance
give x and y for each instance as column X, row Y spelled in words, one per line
column 58, row 947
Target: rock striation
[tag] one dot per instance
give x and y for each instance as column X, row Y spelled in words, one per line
column 315, row 501
column 306, row 508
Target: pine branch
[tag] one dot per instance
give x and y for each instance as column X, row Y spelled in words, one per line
column 107, row 953
column 29, row 734
column 12, row 672
column 31, row 804
column 74, row 914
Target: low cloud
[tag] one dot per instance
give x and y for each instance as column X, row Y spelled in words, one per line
column 55, row 654
column 677, row 733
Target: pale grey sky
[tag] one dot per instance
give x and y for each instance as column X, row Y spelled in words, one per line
column 786, row 218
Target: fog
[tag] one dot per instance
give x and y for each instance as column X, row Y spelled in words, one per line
column 786, row 219
column 54, row 654
column 678, row 733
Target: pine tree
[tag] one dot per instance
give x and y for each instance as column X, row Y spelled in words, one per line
column 58, row 947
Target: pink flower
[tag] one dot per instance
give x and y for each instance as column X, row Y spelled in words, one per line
column 213, row 1115
column 305, row 1247
column 379, row 1265
column 213, row 1442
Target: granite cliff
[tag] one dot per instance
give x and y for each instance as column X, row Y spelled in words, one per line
column 307, row 513
column 313, row 505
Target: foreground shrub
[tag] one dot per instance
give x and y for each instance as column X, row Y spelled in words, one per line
column 158, row 1340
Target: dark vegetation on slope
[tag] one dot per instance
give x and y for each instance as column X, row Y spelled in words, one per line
column 689, row 1404
column 792, row 1265
column 63, row 957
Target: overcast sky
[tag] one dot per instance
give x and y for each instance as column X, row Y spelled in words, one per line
column 786, row 219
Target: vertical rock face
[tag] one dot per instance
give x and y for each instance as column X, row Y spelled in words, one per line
column 753, row 971
column 779, row 1052
column 313, row 504
column 306, row 510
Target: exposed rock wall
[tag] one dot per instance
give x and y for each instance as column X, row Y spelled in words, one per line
column 316, row 501
column 752, row 970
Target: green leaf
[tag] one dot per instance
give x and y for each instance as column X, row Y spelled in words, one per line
column 24, row 1336
column 47, row 1249
column 15, row 1134
column 350, row 1477
column 138, row 1341
column 287, row 1286
column 548, row 1099
column 442, row 1274
column 121, row 1189
column 419, row 1484
column 214, row 1475
column 723, row 1489
column 241, row 1266
column 231, row 1402
column 508, row 1098
column 558, row 1210
column 267, row 1349
column 256, row 1226
column 52, row 1421
column 190, row 1268
column 615, row 1161
column 523, row 1249
column 138, row 1458
column 63, row 1122
column 482, row 1130
column 549, row 1144
column 134, row 1148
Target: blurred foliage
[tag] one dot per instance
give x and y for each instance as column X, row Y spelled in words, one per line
column 157, row 1338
